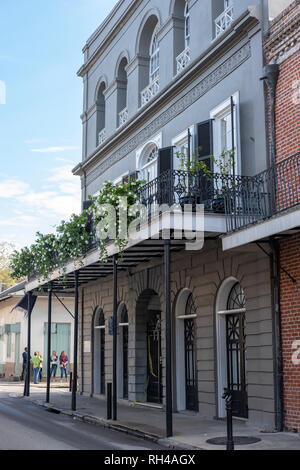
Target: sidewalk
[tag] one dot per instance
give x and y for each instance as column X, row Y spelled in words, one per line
column 190, row 431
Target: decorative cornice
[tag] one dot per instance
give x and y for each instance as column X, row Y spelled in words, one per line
column 108, row 38
column 284, row 41
column 175, row 109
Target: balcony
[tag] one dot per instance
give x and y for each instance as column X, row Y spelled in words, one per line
column 149, row 92
column 265, row 195
column 183, row 60
column 181, row 187
column 223, row 21
column 101, row 137
column 123, row 117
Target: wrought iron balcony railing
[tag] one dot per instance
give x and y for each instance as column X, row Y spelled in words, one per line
column 183, row 60
column 224, row 21
column 271, row 192
column 123, row 117
column 182, row 187
column 150, row 91
column 101, row 137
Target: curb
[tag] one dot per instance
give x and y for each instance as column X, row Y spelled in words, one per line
column 169, row 443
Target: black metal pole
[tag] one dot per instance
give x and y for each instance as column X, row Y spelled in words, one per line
column 82, row 341
column 230, row 443
column 277, row 338
column 115, row 323
column 228, row 404
column 75, row 352
column 27, row 380
column 49, row 342
column 109, row 402
column 232, row 136
column 169, row 405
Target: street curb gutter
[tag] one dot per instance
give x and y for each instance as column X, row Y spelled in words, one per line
column 166, row 442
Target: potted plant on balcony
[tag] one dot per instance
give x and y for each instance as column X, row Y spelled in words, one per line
column 189, row 173
column 194, row 174
column 225, row 164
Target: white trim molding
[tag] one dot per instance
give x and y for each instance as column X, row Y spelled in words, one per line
column 217, row 114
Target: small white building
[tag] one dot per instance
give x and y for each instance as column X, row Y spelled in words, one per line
column 14, row 327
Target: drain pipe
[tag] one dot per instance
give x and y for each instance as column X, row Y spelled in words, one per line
column 277, row 339
column 271, row 72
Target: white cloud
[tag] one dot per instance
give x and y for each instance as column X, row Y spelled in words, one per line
column 34, row 141
column 11, row 188
column 20, row 221
column 28, row 210
column 51, row 203
column 54, row 149
column 62, row 173
column 64, row 178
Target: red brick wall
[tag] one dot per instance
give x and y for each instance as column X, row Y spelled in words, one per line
column 290, row 312
column 287, row 109
column 287, row 113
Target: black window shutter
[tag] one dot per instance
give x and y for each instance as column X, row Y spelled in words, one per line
column 205, row 141
column 165, row 160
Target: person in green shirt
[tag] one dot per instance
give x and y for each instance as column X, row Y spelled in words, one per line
column 35, row 360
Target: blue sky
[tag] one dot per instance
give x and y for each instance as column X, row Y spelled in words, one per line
column 40, row 129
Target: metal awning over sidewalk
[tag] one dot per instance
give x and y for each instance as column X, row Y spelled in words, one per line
column 89, row 268
column 281, row 225
column 92, row 270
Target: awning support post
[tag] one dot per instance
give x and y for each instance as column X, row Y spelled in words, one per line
column 82, row 341
column 75, row 352
column 169, row 405
column 27, row 378
column 49, row 342
column 115, row 326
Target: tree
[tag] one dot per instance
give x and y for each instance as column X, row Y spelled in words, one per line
column 5, row 252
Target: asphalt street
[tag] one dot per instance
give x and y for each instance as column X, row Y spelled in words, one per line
column 25, row 426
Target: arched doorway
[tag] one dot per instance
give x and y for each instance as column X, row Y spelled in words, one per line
column 148, row 348
column 186, row 356
column 123, row 351
column 231, row 347
column 99, row 352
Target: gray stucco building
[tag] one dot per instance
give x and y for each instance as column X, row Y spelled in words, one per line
column 161, row 77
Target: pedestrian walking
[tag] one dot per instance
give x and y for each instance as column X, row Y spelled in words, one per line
column 40, row 367
column 25, row 362
column 63, row 364
column 35, row 360
column 54, row 364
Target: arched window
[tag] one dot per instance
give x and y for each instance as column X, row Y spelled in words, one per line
column 100, row 107
column 122, row 110
column 122, row 349
column 236, row 298
column 154, row 57
column 148, row 60
column 190, row 354
column 231, row 347
column 148, row 163
column 99, row 318
column 124, row 315
column 186, row 360
column 187, row 24
column 182, row 35
column 99, row 352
